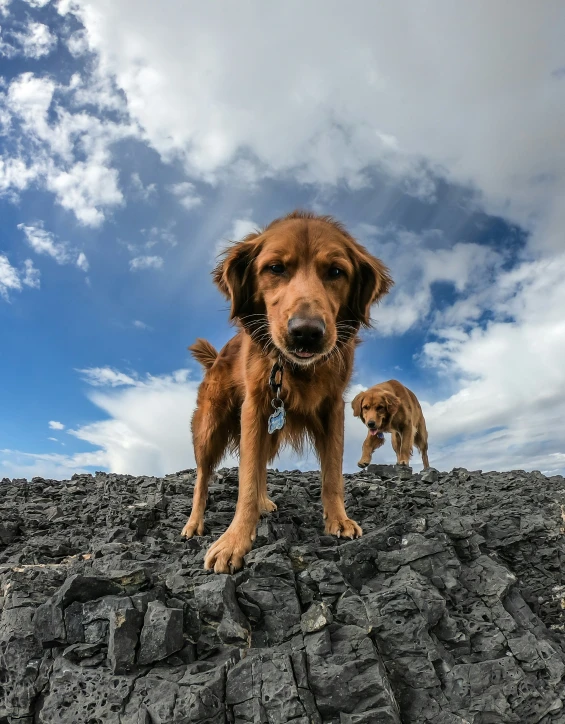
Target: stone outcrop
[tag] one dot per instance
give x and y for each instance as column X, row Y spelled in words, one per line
column 450, row 608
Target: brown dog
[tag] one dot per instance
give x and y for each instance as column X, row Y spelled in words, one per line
column 391, row 407
column 299, row 291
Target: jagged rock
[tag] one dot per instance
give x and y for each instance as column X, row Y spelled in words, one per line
column 217, row 606
column 449, row 610
column 162, row 633
column 315, row 618
column 125, row 625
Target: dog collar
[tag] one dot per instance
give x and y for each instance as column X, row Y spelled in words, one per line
column 277, row 419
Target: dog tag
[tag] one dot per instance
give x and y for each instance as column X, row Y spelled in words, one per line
column 278, row 419
column 380, row 435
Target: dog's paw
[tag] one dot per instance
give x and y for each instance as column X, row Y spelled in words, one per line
column 192, row 528
column 362, row 464
column 343, row 528
column 226, row 554
column 267, row 506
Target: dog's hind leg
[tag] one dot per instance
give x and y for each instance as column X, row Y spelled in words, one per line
column 210, row 434
column 404, row 450
column 396, row 441
column 421, row 442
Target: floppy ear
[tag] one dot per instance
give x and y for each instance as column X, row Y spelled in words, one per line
column 392, row 403
column 235, row 278
column 372, row 281
column 356, row 404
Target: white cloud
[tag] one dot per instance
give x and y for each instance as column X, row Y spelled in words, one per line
column 138, row 324
column 68, row 152
column 11, row 279
column 146, row 262
column 239, row 229
column 32, row 276
column 511, row 375
column 85, row 187
column 82, row 262
column 44, row 242
column 37, row 40
column 451, row 87
column 146, row 431
column 140, row 190
column 106, row 377
column 15, row 175
column 77, row 43
column 17, row 464
column 418, row 261
column 54, row 425
column 53, row 439
column 186, row 194
column 242, row 227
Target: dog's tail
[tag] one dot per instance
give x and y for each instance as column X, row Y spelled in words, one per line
column 203, row 352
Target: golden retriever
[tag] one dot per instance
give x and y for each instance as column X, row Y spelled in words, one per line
column 299, row 292
column 392, row 407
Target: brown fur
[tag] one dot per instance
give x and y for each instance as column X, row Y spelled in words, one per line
column 395, row 409
column 203, row 352
column 234, row 399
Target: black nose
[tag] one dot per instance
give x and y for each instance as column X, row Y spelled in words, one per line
column 306, row 331
column 371, row 424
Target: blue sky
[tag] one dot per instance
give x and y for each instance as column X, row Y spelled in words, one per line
column 136, row 140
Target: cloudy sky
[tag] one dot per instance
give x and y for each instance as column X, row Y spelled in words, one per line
column 137, row 137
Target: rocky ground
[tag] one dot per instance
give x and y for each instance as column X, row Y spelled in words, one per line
column 449, row 609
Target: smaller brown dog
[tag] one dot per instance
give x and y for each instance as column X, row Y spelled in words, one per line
column 391, row 407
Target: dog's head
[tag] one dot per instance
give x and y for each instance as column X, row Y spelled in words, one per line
column 375, row 407
column 303, row 285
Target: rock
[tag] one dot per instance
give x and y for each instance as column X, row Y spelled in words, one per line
column 315, row 618
column 429, row 475
column 162, row 633
column 125, row 625
column 218, row 608
column 382, row 471
column 404, row 472
column 449, row 609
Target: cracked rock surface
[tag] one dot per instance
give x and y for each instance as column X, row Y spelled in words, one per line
column 450, row 609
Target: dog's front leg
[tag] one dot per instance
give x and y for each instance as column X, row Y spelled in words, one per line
column 226, row 554
column 329, row 444
column 371, row 443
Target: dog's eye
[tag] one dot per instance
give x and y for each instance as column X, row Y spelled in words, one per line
column 334, row 272
column 380, row 408
column 276, row 268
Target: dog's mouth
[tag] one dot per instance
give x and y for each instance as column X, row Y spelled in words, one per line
column 304, row 357
column 303, row 354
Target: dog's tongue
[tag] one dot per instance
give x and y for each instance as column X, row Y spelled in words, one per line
column 373, row 432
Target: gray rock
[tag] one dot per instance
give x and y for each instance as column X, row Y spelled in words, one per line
column 218, row 608
column 162, row 633
column 125, row 625
column 315, row 618
column 429, row 475
column 449, row 609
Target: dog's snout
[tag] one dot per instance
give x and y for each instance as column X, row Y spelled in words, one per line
column 306, row 331
column 372, row 424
